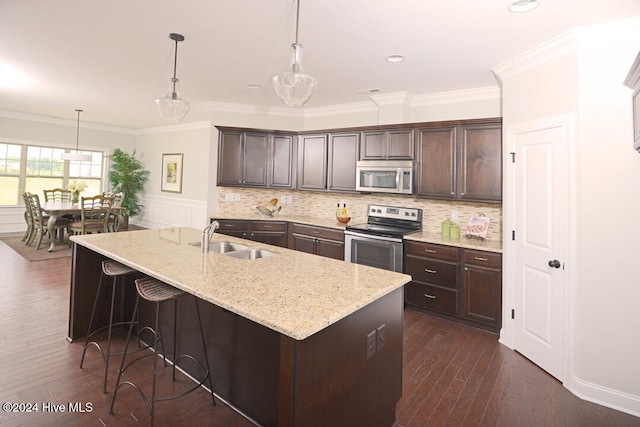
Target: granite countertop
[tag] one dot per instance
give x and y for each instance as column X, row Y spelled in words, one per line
column 294, row 293
column 424, row 236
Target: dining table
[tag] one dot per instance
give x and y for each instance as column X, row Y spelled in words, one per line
column 57, row 209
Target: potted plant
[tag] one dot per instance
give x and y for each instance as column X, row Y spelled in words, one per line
column 127, row 175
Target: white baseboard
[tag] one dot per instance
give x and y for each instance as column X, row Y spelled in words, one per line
column 605, row 396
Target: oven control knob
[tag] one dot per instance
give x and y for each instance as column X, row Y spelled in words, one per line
column 413, row 214
column 379, row 210
column 406, row 214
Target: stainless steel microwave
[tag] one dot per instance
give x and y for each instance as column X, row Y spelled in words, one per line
column 385, row 176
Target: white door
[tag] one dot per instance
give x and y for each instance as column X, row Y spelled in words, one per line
column 540, row 212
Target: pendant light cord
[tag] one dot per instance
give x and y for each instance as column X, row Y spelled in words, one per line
column 297, row 19
column 78, row 131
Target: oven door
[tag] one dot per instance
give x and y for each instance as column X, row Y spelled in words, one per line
column 374, row 251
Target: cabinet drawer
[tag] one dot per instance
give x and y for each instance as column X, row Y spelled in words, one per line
column 233, row 225
column 320, row 232
column 482, row 258
column 448, row 253
column 268, row 226
column 432, row 271
column 432, row 297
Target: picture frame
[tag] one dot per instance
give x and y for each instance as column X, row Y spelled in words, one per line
column 172, row 172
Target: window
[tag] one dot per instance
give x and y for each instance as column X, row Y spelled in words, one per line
column 35, row 168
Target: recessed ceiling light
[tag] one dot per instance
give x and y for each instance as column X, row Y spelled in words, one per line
column 395, row 58
column 254, row 87
column 523, row 6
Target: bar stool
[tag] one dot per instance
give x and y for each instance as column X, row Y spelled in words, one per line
column 157, row 292
column 115, row 270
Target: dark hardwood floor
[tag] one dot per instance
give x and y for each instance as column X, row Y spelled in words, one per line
column 453, row 375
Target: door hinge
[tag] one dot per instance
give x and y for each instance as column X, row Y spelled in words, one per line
column 513, row 234
column 513, row 313
column 513, row 157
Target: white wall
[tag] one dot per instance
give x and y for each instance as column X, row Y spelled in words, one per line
column 188, row 208
column 581, row 74
column 608, row 203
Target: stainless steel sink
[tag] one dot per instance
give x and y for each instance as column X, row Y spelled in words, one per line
column 222, row 247
column 250, row 254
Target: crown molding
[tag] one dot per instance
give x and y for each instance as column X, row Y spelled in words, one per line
column 354, row 107
column 174, row 128
column 457, row 96
column 64, row 122
column 228, row 107
column 540, row 54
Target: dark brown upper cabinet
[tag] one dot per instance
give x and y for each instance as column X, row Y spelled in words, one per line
column 393, row 144
column 328, row 161
column 342, row 159
column 460, row 161
column 312, row 162
column 249, row 158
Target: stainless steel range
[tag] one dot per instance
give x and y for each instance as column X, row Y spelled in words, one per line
column 378, row 242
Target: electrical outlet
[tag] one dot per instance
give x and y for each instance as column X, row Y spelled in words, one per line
column 236, row 197
column 371, row 344
column 289, row 199
column 380, row 336
column 228, row 197
column 455, row 215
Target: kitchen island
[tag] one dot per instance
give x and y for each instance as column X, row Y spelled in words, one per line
column 293, row 339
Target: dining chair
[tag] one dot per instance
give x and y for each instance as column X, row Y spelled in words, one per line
column 40, row 222
column 94, row 215
column 113, row 224
column 28, row 217
column 57, row 195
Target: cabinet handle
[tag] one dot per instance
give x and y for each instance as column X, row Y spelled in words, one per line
column 315, row 232
column 481, row 259
column 430, row 271
column 431, row 251
column 267, row 226
column 430, row 296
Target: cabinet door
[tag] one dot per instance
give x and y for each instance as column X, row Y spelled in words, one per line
column 256, row 151
column 401, row 144
column 282, row 162
column 436, row 165
column 303, row 243
column 330, row 249
column 233, row 227
column 230, row 158
column 482, row 295
column 480, row 163
column 343, row 155
column 374, row 145
column 312, row 162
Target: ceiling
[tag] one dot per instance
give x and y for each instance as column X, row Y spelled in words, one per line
column 112, row 58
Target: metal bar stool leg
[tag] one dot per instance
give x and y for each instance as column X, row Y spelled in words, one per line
column 156, row 291
column 115, row 270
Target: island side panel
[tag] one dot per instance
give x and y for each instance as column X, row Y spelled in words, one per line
column 334, row 383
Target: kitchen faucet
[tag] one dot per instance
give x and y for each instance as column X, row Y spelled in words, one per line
column 207, row 234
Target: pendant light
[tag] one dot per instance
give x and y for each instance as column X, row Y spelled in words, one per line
column 77, row 156
column 293, row 86
column 172, row 107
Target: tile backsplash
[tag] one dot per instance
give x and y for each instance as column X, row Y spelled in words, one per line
column 323, row 205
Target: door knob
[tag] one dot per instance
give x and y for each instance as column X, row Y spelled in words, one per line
column 554, row 263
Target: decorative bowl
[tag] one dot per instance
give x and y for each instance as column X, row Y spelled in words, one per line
column 344, row 219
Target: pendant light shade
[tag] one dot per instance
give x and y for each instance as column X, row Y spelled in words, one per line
column 172, row 107
column 77, row 156
column 294, row 86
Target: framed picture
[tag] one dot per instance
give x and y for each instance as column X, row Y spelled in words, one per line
column 172, row 173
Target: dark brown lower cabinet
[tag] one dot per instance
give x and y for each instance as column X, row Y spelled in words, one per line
column 464, row 285
column 317, row 240
column 269, row 232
